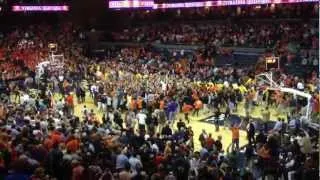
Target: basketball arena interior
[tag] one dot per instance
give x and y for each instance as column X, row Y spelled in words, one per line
column 159, row 89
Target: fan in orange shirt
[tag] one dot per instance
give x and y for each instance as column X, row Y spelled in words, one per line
column 48, row 144
column 69, row 100
column 161, row 104
column 186, row 108
column 197, row 106
column 56, row 137
column 235, row 130
column 213, row 88
column 73, row 145
column 315, row 101
column 70, row 103
column 133, row 104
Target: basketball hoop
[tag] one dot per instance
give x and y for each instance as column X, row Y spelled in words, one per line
column 53, row 47
column 266, row 79
column 272, row 62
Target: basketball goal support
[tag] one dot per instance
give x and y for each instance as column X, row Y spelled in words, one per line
column 53, row 62
column 266, row 78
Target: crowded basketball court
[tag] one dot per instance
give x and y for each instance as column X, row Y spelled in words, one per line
column 159, row 90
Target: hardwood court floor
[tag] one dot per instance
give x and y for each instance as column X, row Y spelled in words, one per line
column 195, row 123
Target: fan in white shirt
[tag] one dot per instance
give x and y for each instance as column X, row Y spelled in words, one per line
column 300, row 86
column 155, row 148
column 93, row 88
column 163, row 86
column 61, row 78
column 109, row 101
column 135, row 163
column 25, row 98
column 111, row 116
column 57, row 123
column 44, row 126
column 142, row 118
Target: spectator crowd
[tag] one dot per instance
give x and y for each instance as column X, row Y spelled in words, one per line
column 249, row 34
column 147, row 101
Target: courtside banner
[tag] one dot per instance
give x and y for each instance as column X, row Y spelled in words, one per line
column 150, row 4
column 21, row 8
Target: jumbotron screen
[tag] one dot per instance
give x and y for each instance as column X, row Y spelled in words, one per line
column 163, row 4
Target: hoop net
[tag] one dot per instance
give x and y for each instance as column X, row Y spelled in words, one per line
column 265, row 80
column 56, row 61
